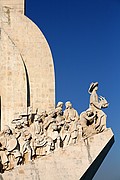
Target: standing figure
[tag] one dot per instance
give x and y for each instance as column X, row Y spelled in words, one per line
column 96, row 105
column 65, row 135
column 24, row 138
column 51, row 128
column 60, row 120
column 71, row 119
column 25, row 143
column 37, row 124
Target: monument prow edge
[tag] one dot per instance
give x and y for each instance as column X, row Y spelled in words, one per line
column 90, row 172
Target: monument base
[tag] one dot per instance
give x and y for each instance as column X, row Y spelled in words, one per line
column 75, row 162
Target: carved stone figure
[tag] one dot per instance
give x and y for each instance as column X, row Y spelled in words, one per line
column 88, row 121
column 3, row 155
column 60, row 120
column 52, row 129
column 11, row 149
column 17, row 122
column 70, row 113
column 65, row 135
column 96, row 104
column 42, row 145
column 59, row 107
column 22, row 133
column 25, row 143
column 17, row 130
column 36, row 134
column 71, row 119
column 37, row 124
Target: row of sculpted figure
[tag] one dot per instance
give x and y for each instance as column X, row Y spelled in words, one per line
column 37, row 134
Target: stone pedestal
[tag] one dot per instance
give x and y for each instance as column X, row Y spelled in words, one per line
column 79, row 161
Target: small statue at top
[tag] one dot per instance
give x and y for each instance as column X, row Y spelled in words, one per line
column 96, row 105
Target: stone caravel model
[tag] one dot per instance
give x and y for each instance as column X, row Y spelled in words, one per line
column 37, row 139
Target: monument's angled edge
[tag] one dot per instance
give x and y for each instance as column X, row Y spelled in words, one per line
column 38, row 139
column 90, row 172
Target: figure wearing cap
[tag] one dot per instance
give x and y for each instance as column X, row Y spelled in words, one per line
column 96, row 105
column 60, row 105
column 59, row 108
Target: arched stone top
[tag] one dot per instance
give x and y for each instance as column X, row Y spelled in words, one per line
column 37, row 56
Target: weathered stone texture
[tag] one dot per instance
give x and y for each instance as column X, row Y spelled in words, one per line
column 25, row 51
column 14, row 5
column 13, row 80
column 70, row 163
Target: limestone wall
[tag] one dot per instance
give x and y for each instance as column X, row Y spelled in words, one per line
column 27, row 77
column 14, row 5
column 13, row 80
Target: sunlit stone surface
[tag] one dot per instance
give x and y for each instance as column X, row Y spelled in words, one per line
column 40, row 140
column 27, row 71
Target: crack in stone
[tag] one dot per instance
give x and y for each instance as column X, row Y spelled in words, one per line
column 86, row 141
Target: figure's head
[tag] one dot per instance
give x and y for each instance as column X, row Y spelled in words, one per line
column 17, row 120
column 37, row 117
column 66, row 126
column 43, row 113
column 93, row 86
column 18, row 125
column 60, row 104
column 89, row 112
column 7, row 129
column 68, row 104
column 25, row 122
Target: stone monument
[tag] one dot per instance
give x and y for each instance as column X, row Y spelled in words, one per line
column 27, row 71
column 39, row 140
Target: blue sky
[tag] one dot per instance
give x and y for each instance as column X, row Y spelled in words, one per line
column 84, row 37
